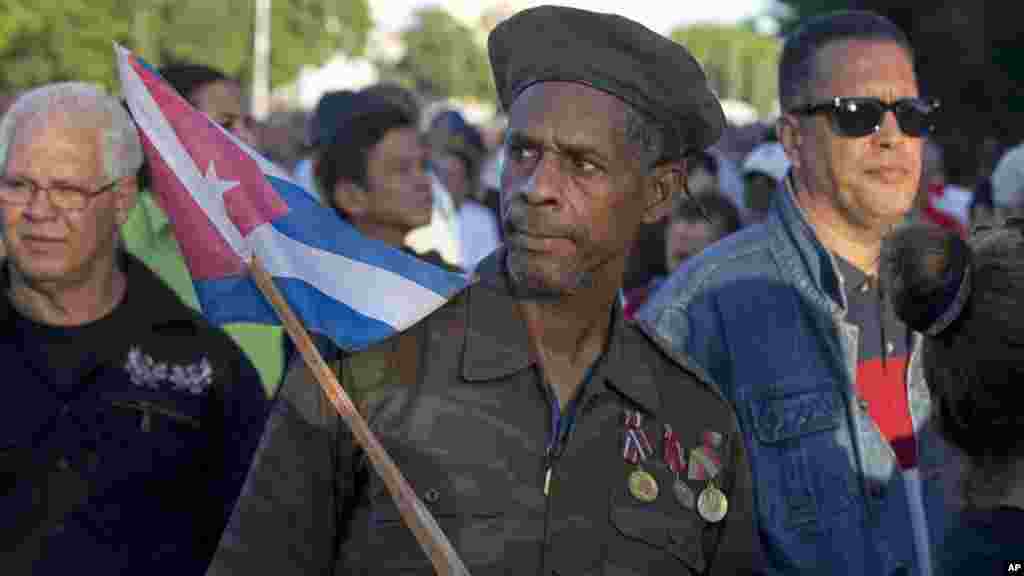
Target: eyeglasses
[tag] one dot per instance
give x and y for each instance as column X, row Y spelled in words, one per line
column 21, row 191
column 859, row 117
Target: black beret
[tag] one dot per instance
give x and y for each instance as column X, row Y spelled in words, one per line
column 656, row 76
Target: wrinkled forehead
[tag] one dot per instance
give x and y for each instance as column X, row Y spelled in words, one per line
column 53, row 134
column 568, row 112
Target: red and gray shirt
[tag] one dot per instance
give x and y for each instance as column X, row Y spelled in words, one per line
column 883, row 347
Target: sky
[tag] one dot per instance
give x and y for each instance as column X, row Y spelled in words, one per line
column 659, row 15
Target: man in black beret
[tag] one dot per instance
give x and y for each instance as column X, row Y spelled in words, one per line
column 543, row 433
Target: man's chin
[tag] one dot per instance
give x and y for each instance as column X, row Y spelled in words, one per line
column 535, row 280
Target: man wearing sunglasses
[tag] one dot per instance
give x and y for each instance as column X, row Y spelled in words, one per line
column 789, row 320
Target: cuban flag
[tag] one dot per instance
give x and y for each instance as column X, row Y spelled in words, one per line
column 228, row 204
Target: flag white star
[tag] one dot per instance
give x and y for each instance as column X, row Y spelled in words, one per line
column 215, row 187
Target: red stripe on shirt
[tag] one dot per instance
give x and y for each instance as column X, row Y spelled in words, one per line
column 886, row 393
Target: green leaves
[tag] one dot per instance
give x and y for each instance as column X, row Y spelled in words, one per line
column 52, row 40
column 443, row 59
column 739, row 62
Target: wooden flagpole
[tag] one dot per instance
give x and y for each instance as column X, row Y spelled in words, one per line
column 431, row 538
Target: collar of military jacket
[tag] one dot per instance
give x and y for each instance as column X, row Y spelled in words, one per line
column 497, row 344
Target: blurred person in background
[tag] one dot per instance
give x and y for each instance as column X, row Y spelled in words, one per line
column 939, row 202
column 147, row 233
column 457, row 154
column 128, row 421
column 695, row 224
column 967, row 298
column 1008, row 184
column 320, row 128
column 764, row 173
column 373, row 170
column 490, row 174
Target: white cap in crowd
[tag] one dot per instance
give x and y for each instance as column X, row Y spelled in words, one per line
column 1008, row 179
column 767, row 158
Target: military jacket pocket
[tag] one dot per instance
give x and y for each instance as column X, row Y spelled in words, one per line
column 381, row 543
column 659, row 537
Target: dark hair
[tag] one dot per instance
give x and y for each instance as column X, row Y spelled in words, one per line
column 347, row 155
column 187, row 78
column 399, row 96
column 797, row 65
column 713, row 206
column 968, row 300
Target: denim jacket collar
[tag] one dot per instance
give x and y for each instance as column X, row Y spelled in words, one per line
column 814, row 263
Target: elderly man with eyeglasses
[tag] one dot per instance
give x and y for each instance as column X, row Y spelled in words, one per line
column 128, row 422
column 789, row 320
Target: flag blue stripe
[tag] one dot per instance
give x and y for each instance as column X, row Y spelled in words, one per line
column 237, row 299
column 315, row 225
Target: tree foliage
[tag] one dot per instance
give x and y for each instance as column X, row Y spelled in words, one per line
column 739, row 62
column 51, row 40
column 443, row 59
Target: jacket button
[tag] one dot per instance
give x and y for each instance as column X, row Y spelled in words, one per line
column 58, row 529
column 432, row 496
column 862, row 404
column 65, row 409
column 901, row 570
column 63, row 464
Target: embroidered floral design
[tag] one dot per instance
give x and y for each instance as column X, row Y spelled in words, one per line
column 146, row 372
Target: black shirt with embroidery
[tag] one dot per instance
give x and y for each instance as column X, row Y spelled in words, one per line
column 882, row 353
column 125, row 441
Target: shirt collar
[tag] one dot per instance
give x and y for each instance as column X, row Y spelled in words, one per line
column 149, row 301
column 497, row 343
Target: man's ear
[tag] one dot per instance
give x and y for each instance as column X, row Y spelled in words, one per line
column 126, row 193
column 350, row 198
column 787, row 130
column 667, row 180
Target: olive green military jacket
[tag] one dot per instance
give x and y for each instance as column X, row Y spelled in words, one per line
column 459, row 404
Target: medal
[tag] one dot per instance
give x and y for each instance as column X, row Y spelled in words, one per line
column 637, row 448
column 673, row 458
column 683, row 493
column 643, row 486
column 712, row 504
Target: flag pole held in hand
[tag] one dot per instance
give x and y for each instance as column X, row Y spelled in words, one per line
column 416, row 516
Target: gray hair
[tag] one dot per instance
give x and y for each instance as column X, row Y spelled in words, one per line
column 81, row 105
column 647, row 135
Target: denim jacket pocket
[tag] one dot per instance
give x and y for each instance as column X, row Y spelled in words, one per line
column 804, row 470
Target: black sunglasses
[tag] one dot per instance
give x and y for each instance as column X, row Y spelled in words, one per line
column 858, row 117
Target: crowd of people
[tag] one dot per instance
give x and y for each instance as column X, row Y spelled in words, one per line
column 689, row 347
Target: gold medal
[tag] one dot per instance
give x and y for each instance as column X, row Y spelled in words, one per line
column 683, row 493
column 643, row 486
column 712, row 504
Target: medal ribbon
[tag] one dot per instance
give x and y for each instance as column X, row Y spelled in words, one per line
column 637, row 446
column 673, row 451
column 704, row 460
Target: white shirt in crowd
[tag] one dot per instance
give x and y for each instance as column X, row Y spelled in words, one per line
column 462, row 238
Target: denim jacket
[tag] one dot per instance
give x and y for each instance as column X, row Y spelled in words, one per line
column 762, row 315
